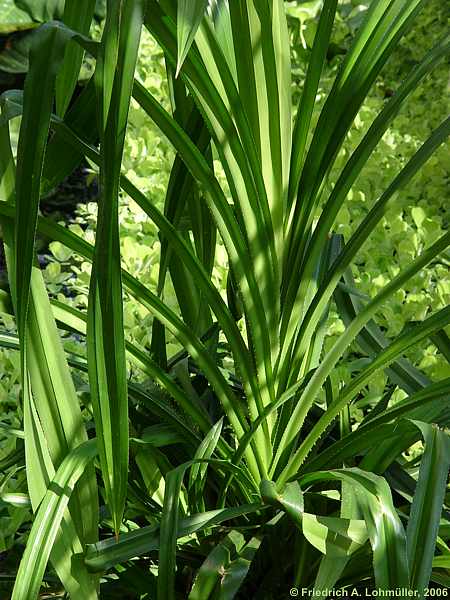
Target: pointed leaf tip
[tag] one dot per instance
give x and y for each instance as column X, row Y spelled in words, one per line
column 189, row 16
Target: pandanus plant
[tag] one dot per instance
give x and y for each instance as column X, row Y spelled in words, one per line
column 211, row 484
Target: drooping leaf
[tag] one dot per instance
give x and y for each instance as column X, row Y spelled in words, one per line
column 386, row 533
column 333, row 536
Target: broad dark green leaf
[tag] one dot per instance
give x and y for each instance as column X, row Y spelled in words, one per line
column 78, row 16
column 42, row 10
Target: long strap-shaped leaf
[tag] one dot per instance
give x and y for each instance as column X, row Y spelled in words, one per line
column 372, row 137
column 426, row 405
column 305, row 110
column 372, row 340
column 78, row 16
column 351, row 172
column 66, row 546
column 242, row 356
column 82, row 247
column 46, row 378
column 106, row 346
column 211, row 95
column 74, row 320
column 48, row 521
column 360, row 236
column 182, row 193
column 270, row 68
column 398, row 346
column 170, row 525
column 308, row 396
column 184, row 334
column 386, row 21
column 151, row 302
column 109, row 552
column 259, row 206
column 198, row 166
column 45, row 58
column 426, row 508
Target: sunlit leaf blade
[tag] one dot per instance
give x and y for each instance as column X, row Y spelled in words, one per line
column 371, row 340
column 303, row 118
column 428, row 403
column 386, row 533
column 333, row 536
column 189, row 16
column 398, row 346
column 198, row 471
column 350, row 333
column 360, row 236
column 384, row 24
column 427, row 505
column 290, row 499
column 106, row 346
column 170, row 319
column 216, row 95
column 235, row 338
column 254, row 361
column 50, row 402
column 359, row 158
column 48, row 520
